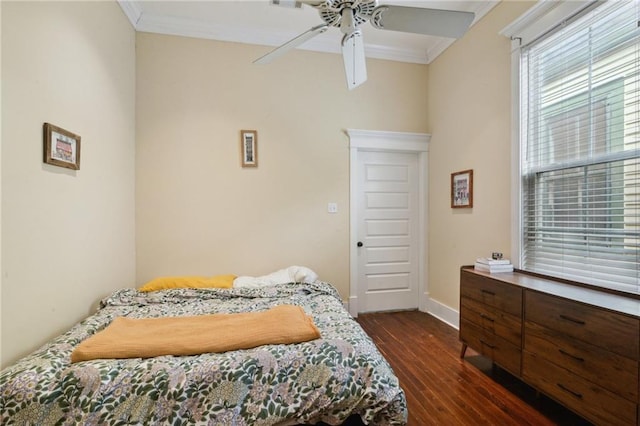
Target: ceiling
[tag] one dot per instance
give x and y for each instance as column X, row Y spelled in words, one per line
column 259, row 22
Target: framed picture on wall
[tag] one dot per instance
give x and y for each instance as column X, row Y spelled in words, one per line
column 61, row 147
column 249, row 148
column 462, row 189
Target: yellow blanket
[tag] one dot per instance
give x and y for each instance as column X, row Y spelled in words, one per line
column 149, row 337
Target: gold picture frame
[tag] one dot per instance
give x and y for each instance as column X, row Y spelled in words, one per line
column 462, row 189
column 61, row 147
column 249, row 148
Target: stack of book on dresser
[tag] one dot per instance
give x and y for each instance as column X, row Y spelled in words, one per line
column 486, row 264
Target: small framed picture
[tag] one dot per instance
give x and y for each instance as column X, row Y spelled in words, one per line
column 462, row 189
column 249, row 148
column 61, row 147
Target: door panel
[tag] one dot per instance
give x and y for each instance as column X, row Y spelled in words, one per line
column 389, row 281
column 381, row 228
column 386, row 255
column 387, row 200
column 388, row 227
column 387, row 173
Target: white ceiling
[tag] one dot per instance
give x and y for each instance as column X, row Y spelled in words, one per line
column 259, row 22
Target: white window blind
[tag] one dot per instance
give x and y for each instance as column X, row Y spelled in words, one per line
column 580, row 149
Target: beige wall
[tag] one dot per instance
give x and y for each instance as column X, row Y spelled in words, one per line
column 67, row 236
column 470, row 122
column 198, row 211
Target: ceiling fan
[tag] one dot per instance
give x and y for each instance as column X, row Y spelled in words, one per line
column 348, row 15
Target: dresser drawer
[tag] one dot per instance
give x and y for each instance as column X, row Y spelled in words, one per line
column 585, row 398
column 492, row 320
column 611, row 371
column 507, row 298
column 488, row 344
column 609, row 330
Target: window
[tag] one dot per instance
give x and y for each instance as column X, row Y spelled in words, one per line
column 580, row 148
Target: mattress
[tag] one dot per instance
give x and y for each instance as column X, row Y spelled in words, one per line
column 327, row 380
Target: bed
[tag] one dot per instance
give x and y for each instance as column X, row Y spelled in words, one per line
column 340, row 376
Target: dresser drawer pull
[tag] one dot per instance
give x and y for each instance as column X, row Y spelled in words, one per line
column 483, row 316
column 487, row 344
column 490, row 293
column 573, row 320
column 566, row 389
column 577, row 358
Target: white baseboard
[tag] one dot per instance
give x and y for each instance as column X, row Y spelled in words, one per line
column 345, row 305
column 352, row 306
column 444, row 313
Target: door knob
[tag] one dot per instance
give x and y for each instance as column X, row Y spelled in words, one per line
column 359, row 244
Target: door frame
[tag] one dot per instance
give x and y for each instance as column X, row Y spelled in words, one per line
column 382, row 141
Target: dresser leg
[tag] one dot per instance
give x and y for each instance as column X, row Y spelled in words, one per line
column 464, row 349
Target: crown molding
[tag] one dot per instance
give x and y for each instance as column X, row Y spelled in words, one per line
column 437, row 48
column 414, row 56
column 543, row 16
column 480, row 9
column 200, row 29
column 374, row 139
column 132, row 10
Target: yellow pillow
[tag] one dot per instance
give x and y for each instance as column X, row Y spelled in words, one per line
column 165, row 283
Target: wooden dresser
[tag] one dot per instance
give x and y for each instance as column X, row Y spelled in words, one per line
column 491, row 320
column 577, row 345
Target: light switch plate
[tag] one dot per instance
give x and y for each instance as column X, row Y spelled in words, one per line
column 332, row 207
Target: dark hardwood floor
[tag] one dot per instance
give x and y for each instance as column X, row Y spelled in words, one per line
column 442, row 389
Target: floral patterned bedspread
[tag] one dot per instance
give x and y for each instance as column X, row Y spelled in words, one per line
column 325, row 380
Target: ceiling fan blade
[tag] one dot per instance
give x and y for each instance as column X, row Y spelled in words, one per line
column 297, row 3
column 291, row 44
column 354, row 60
column 435, row 22
column 314, row 3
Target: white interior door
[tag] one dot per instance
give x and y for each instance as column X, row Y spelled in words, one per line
column 387, row 222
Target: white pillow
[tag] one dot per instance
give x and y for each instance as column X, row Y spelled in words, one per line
column 302, row 274
column 292, row 274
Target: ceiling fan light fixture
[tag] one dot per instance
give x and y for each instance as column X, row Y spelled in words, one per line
column 347, row 23
column 331, row 11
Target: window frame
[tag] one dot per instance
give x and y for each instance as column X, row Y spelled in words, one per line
column 537, row 22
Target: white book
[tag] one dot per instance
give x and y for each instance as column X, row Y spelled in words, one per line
column 486, row 267
column 489, row 261
column 493, row 268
